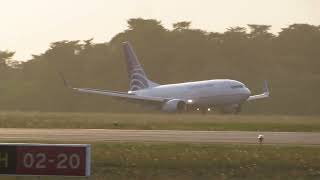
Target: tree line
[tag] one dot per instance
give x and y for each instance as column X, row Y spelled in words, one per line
column 289, row 60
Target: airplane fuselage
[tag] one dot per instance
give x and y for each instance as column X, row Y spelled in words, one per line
column 202, row 93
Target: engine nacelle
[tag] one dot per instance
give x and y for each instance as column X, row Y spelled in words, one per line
column 174, row 105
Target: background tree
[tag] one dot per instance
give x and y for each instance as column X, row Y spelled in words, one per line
column 4, row 57
column 299, row 39
column 289, row 60
column 235, row 41
column 260, row 31
column 261, row 40
column 179, row 26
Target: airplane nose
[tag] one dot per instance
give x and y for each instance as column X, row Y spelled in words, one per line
column 248, row 92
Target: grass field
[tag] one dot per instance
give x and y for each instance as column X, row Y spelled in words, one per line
column 183, row 161
column 159, row 121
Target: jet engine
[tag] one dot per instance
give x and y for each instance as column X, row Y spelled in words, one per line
column 174, row 105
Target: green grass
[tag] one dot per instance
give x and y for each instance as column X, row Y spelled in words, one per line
column 183, row 161
column 159, row 121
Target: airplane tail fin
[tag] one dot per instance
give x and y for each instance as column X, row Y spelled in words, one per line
column 137, row 77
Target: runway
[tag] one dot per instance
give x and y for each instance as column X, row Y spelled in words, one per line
column 170, row 136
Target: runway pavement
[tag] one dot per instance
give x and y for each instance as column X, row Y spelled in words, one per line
column 108, row 135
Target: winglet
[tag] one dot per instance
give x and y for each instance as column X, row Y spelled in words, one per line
column 265, row 94
column 266, row 88
column 65, row 82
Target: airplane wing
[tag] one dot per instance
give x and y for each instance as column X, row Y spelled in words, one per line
column 266, row 93
column 117, row 94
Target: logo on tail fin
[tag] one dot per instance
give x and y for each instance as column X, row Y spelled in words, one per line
column 137, row 77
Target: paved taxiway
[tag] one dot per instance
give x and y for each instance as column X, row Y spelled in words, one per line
column 104, row 135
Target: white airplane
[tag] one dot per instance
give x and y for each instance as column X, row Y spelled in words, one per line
column 224, row 94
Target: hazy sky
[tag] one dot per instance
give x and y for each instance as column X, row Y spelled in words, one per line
column 29, row 26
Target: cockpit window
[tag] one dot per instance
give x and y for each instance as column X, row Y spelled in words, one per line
column 236, row 86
